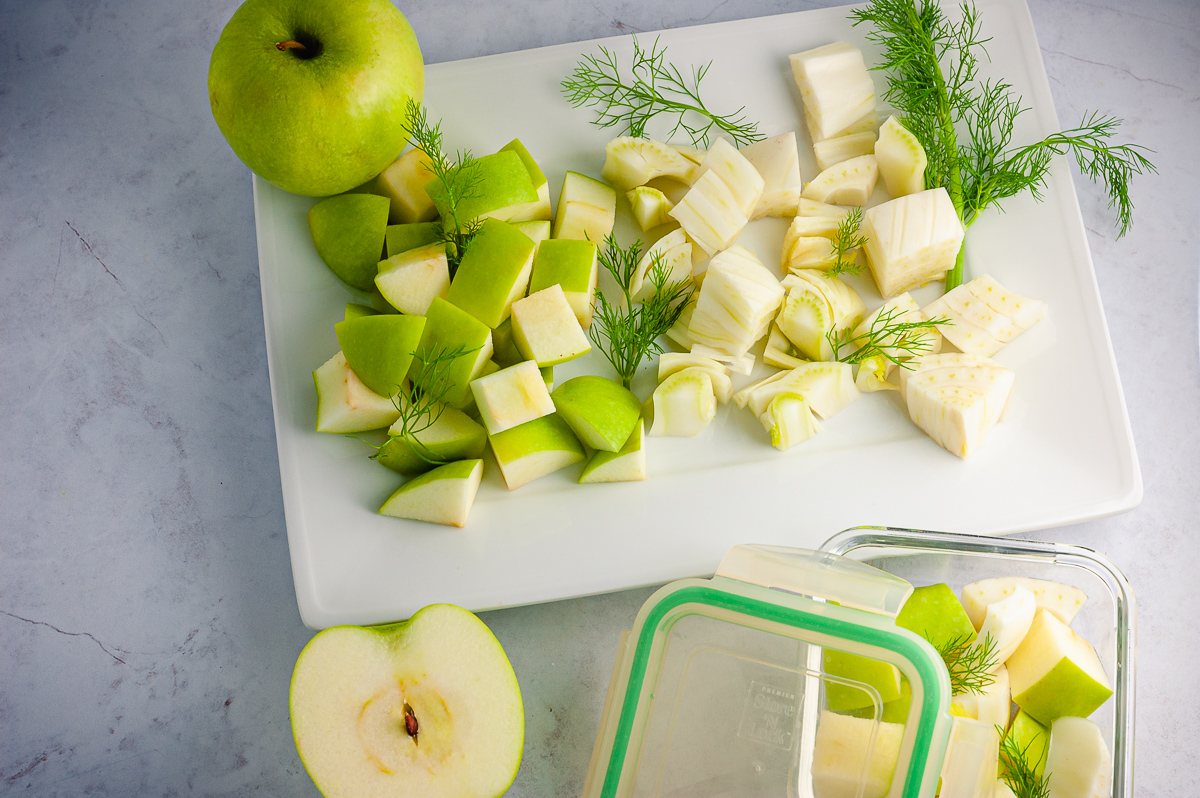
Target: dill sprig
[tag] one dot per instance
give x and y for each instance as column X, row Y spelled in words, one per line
column 625, row 332
column 845, row 241
column 457, row 177
column 888, row 337
column 934, row 85
column 420, row 403
column 1019, row 772
column 654, row 86
column 970, row 665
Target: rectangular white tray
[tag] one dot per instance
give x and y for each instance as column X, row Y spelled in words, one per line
column 1065, row 453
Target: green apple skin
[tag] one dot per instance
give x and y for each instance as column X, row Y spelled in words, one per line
column 344, row 404
column 602, row 413
column 493, row 272
column 1055, row 672
column 448, row 327
column 883, row 676
column 1031, row 737
column 894, row 711
column 443, row 495
column 627, row 465
column 535, row 449
column 348, row 232
column 399, row 238
column 354, row 310
column 380, row 348
column 453, row 436
column 572, row 264
column 348, row 695
column 539, row 209
column 546, row 330
column 505, row 346
column 935, row 613
column 324, row 118
column 501, row 183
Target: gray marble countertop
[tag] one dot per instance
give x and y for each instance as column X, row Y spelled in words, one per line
column 148, row 624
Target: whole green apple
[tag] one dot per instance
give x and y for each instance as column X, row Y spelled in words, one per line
column 312, row 95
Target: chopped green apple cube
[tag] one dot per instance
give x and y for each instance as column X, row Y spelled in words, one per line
column 537, row 230
column 448, row 329
column 587, row 209
column 512, row 396
column 602, row 413
column 1031, row 737
column 505, row 351
column 539, row 209
column 911, row 240
column 993, row 705
column 499, row 182
column 403, row 184
column 854, row 672
column 573, row 265
column 545, row 328
column 626, row 465
column 412, row 279
column 348, row 231
column 344, row 404
column 1055, row 672
column 379, row 349
column 355, row 311
column 452, row 435
column 535, row 449
column 403, row 237
column 493, row 273
column 441, row 496
column 933, row 612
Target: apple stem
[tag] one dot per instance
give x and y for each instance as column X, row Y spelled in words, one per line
column 290, row 44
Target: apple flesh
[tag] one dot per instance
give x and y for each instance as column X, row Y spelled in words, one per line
column 1055, row 672
column 535, row 449
column 493, row 273
column 411, row 280
column 627, row 465
column 545, row 328
column 574, row 266
column 587, row 209
column 857, row 670
column 344, row 404
column 403, row 183
column 348, row 232
column 512, row 396
column 441, row 496
column 993, row 705
column 429, row 707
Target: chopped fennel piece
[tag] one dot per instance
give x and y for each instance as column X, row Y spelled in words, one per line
column 736, row 172
column 779, row 351
column 710, row 213
column 631, row 162
column 956, row 398
column 789, row 420
column 911, row 240
column 736, row 302
column 674, row 362
column 675, row 250
column 835, row 87
column 979, row 314
column 901, row 159
column 842, row 148
column 777, row 160
column 683, row 404
column 816, row 305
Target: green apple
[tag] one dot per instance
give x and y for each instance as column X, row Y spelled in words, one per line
column 1055, row 672
column 573, row 265
column 379, row 349
column 403, row 183
column 344, row 404
column 857, row 670
column 539, row 209
column 411, row 280
column 854, row 756
column 1031, row 737
column 535, row 449
column 547, row 373
column 894, row 711
column 493, row 273
column 348, row 232
column 354, row 310
column 498, row 184
column 1078, row 763
column 587, row 209
column 429, row 707
column 441, row 496
column 602, row 413
column 505, row 348
column 314, row 98
column 627, row 465
column 538, row 231
column 1064, row 601
column 545, row 328
column 449, row 329
column 403, row 237
column 453, row 435
column 512, row 396
column 934, row 613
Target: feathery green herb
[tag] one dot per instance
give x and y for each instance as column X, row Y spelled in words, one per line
column 845, row 241
column 888, row 336
column 654, row 86
column 459, row 180
column 970, row 665
column 1020, row 773
column 625, row 332
column 420, row 403
column 934, row 84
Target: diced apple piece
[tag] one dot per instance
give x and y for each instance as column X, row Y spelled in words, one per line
column 882, row 677
column 626, row 465
column 1055, row 672
column 850, row 182
column 505, row 352
column 675, row 251
column 933, row 612
column 650, row 206
column 778, row 161
column 1064, row 601
column 539, row 209
column 736, row 172
column 737, row 299
column 587, row 209
column 403, row 184
column 845, row 758
column 1078, row 762
column 379, row 349
column 453, row 435
column 344, row 404
column 1031, row 737
column 545, row 328
column 602, row 413
column 493, row 273
column 816, row 305
column 956, row 399
column 572, row 265
column 449, row 328
column 901, row 159
column 399, row 238
column 512, row 396
column 710, row 214
column 632, row 162
column 410, row 280
column 537, row 230
column 500, row 184
column 441, row 496
column 835, row 86
column 911, row 240
column 535, row 449
column 356, row 311
column 348, row 232
column 833, row 151
column 684, row 403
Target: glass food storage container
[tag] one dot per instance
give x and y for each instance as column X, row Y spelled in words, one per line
column 786, row 675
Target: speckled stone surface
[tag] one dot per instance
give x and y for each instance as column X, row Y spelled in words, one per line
column 148, row 624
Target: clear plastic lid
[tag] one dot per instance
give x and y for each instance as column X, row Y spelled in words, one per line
column 783, row 675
